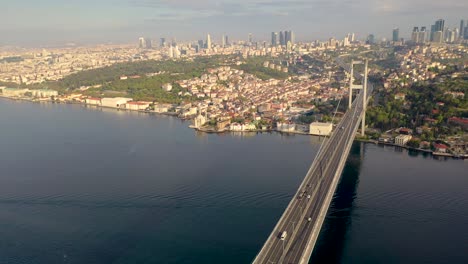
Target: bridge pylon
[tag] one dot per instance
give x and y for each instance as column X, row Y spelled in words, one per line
column 363, row 87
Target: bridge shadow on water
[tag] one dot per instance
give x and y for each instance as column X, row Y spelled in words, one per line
column 331, row 241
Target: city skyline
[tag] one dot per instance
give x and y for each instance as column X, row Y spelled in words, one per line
column 28, row 23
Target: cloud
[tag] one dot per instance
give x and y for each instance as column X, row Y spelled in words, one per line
column 311, row 19
column 416, row 6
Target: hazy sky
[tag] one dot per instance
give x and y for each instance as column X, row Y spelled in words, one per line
column 29, row 22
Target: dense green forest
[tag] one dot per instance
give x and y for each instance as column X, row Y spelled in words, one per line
column 108, row 83
column 422, row 101
column 143, row 88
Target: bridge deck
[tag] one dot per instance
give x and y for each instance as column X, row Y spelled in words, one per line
column 320, row 183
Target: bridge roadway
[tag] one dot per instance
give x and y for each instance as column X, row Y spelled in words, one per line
column 320, row 183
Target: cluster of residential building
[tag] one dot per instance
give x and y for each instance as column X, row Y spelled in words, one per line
column 17, row 93
column 37, row 66
column 421, row 62
column 452, row 146
column 226, row 93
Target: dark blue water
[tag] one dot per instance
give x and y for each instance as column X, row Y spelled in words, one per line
column 85, row 185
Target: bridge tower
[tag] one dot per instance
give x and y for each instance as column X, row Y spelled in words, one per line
column 363, row 87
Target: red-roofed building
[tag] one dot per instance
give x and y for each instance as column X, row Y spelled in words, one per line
column 430, row 120
column 459, row 121
column 93, row 101
column 405, row 131
column 137, row 105
column 441, row 148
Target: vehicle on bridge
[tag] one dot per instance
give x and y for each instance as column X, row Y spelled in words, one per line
column 283, row 236
column 301, row 194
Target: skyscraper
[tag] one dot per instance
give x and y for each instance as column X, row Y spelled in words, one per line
column 208, row 41
column 463, row 24
column 451, row 35
column 171, row 52
column 148, row 43
column 415, row 35
column 396, row 34
column 437, row 31
column 250, row 38
column 287, row 37
column 274, row 38
column 346, row 41
column 163, row 42
column 440, row 25
column 438, row 37
column 223, row 41
column 292, row 37
column 431, row 36
column 144, row 43
column 281, row 37
column 371, row 39
column 226, row 40
column 141, row 43
column 422, row 35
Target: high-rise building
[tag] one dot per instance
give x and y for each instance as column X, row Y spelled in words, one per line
column 346, row 41
column 171, row 52
column 141, row 43
column 287, row 37
column 208, row 41
column 463, row 24
column 352, row 37
column 396, row 34
column 422, row 35
column 226, row 40
column 163, row 42
column 292, row 37
column 431, row 35
column 446, row 34
column 223, row 41
column 437, row 31
column 176, row 52
column 144, row 43
column 465, row 32
column 250, row 38
column 201, row 43
column 415, row 35
column 281, row 38
column 148, row 43
column 439, row 25
column 451, row 35
column 438, row 37
column 274, row 38
column 371, row 39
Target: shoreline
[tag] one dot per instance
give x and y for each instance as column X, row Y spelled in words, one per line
column 214, row 131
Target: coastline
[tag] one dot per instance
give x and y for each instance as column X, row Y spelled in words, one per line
column 214, row 131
